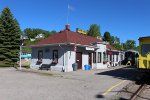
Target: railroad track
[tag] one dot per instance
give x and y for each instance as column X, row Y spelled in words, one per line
column 138, row 92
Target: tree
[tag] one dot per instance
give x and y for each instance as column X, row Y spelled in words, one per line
column 137, row 48
column 129, row 44
column 94, row 30
column 11, row 37
column 107, row 37
column 2, row 56
column 117, row 46
column 29, row 33
column 112, row 40
column 116, row 39
column 33, row 32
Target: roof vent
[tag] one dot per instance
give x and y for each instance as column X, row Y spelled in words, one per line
column 68, row 27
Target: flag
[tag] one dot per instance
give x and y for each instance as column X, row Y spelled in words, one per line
column 70, row 7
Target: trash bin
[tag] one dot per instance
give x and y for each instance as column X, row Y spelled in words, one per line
column 75, row 66
column 87, row 67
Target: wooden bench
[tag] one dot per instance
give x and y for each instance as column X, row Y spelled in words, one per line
column 45, row 67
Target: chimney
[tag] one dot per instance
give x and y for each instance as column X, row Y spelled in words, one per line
column 68, row 27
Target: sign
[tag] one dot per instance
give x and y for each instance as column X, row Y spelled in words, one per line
column 88, row 48
column 81, row 31
column 109, row 53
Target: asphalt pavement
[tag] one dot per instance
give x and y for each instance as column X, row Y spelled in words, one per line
column 79, row 85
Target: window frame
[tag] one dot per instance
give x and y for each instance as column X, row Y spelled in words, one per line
column 99, row 57
column 55, row 59
column 94, row 57
column 104, row 57
column 144, row 49
column 40, row 51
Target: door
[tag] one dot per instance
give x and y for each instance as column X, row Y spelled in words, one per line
column 79, row 59
column 90, row 59
column 110, row 59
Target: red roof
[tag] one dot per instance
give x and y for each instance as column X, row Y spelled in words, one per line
column 110, row 47
column 68, row 36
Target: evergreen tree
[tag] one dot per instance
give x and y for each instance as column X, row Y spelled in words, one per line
column 94, row 30
column 11, row 36
column 2, row 49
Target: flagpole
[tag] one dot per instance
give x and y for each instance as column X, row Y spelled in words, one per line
column 67, row 14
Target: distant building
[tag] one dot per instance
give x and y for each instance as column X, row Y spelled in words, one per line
column 114, row 56
column 25, row 55
column 39, row 36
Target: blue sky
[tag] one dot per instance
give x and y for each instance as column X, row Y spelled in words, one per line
column 127, row 19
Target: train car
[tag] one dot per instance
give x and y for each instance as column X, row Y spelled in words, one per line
column 130, row 57
column 144, row 57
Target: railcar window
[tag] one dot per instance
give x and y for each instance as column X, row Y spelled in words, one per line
column 145, row 49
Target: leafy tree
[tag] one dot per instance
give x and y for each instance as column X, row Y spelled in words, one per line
column 32, row 33
column 129, row 44
column 94, row 30
column 116, row 39
column 117, row 46
column 11, row 35
column 29, row 33
column 137, row 48
column 112, row 40
column 53, row 32
column 107, row 37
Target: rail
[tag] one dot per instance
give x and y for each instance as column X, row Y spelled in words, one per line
column 138, row 92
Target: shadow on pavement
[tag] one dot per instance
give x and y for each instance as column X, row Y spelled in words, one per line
column 126, row 73
column 99, row 96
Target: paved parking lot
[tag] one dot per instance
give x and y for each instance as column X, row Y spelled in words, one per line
column 80, row 85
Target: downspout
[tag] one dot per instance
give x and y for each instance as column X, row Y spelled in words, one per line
column 63, row 57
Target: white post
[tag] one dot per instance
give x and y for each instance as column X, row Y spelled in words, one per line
column 20, row 51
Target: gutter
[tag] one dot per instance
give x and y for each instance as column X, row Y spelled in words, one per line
column 67, row 43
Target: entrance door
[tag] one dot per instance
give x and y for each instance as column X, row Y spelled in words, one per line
column 79, row 59
column 90, row 59
column 110, row 59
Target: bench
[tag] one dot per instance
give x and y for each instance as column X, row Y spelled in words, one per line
column 45, row 67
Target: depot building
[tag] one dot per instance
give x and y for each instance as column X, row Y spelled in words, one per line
column 66, row 47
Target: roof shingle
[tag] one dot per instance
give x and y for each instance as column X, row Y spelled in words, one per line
column 68, row 36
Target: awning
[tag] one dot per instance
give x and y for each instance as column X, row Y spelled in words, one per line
column 112, row 52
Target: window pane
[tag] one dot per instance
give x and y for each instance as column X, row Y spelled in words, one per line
column 99, row 57
column 55, row 56
column 145, row 49
column 104, row 56
column 94, row 57
column 40, row 54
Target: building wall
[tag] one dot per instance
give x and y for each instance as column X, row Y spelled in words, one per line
column 70, row 58
column 85, row 55
column 47, row 55
column 102, row 49
column 67, row 57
